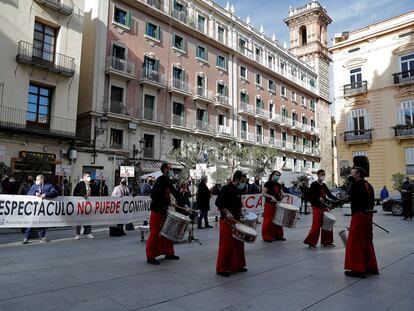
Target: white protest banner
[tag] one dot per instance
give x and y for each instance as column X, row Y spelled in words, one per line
column 251, row 202
column 21, row 211
column 127, row 171
column 63, row 170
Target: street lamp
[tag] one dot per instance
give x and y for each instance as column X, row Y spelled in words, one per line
column 139, row 151
column 100, row 128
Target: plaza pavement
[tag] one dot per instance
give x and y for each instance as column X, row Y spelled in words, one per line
column 111, row 274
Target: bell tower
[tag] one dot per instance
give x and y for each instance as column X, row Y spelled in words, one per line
column 308, row 27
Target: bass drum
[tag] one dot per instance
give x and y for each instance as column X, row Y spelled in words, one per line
column 174, row 226
column 244, row 233
column 286, row 215
column 328, row 221
column 343, row 234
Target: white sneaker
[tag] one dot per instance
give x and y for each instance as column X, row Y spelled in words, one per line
column 90, row 236
column 77, row 237
column 25, row 241
column 44, row 239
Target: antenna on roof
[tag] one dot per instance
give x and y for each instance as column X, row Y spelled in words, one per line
column 248, row 20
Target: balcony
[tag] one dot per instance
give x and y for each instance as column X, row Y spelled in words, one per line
column 223, row 131
column 22, row 121
column 152, row 78
column 358, row 136
column 404, row 131
column 259, row 139
column 286, row 121
column 203, row 95
column 356, row 88
column 182, row 16
column 29, row 54
column 307, row 149
column 261, row 114
column 116, row 107
column 62, row 6
column 297, row 148
column 409, row 169
column 247, row 137
column 222, row 101
column 275, row 118
column 202, row 126
column 296, row 124
column 316, row 152
column 405, row 77
column 179, row 87
column 155, row 4
column 246, row 109
column 148, row 153
column 121, row 68
column 287, row 145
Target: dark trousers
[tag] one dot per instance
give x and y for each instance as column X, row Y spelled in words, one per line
column 303, row 201
column 203, row 214
column 41, row 232
column 86, row 229
column 407, row 206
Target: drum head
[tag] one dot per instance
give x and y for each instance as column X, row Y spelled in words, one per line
column 245, row 229
column 288, row 206
column 250, row 216
column 178, row 216
column 329, row 215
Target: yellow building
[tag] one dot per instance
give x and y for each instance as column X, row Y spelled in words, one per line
column 374, row 97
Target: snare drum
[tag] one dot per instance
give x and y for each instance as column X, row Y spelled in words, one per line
column 343, row 234
column 174, row 226
column 286, row 215
column 249, row 219
column 244, row 233
column 328, row 221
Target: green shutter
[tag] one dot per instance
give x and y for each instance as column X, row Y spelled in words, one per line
column 158, row 33
column 128, row 19
column 146, row 28
column 226, row 91
column 157, row 65
column 218, row 61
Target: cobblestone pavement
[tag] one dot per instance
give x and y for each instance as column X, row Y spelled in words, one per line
column 111, row 273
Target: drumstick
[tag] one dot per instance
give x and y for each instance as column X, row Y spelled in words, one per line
column 185, row 209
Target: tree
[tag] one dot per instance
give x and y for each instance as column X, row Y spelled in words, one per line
column 263, row 160
column 397, row 181
column 344, row 173
column 302, row 179
column 233, row 154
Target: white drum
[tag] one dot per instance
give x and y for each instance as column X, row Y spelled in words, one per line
column 244, row 233
column 249, row 219
column 343, row 234
column 328, row 221
column 286, row 215
column 174, row 226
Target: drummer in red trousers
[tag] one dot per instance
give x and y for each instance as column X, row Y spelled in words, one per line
column 317, row 196
column 156, row 244
column 360, row 256
column 231, row 257
column 272, row 191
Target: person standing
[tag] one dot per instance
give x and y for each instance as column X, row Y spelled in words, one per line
column 304, row 189
column 231, row 257
column 203, row 202
column 272, row 191
column 161, row 199
column 318, row 194
column 360, row 256
column 103, row 187
column 147, row 187
column 255, row 187
column 44, row 191
column 121, row 190
column 25, row 186
column 407, row 190
column 384, row 193
column 216, row 189
column 83, row 189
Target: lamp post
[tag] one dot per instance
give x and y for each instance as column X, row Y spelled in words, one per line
column 100, row 128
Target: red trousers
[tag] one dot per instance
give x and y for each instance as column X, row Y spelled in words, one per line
column 313, row 235
column 156, row 244
column 231, row 251
column 270, row 230
column 360, row 253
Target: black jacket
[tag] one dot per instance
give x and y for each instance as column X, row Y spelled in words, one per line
column 317, row 191
column 230, row 198
column 203, row 197
column 160, row 195
column 407, row 196
column 362, row 196
column 80, row 190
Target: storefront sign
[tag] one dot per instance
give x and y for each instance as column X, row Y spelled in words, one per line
column 63, row 170
column 127, row 171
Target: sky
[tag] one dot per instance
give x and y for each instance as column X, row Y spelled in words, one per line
column 347, row 15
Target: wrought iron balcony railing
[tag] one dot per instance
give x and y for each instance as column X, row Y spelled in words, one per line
column 30, row 54
column 155, row 3
column 356, row 88
column 120, row 65
column 36, row 123
column 404, row 131
column 358, row 135
column 63, row 6
column 404, row 76
column 178, row 120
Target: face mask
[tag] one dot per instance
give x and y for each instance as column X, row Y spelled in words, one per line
column 322, row 178
column 171, row 173
column 103, row 182
column 30, row 181
column 123, row 183
column 241, row 185
column 351, row 178
column 11, row 180
column 38, row 182
column 275, row 178
column 88, row 179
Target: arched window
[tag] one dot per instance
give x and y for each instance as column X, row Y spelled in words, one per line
column 303, row 35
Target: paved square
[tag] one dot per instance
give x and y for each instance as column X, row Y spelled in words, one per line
column 111, row 274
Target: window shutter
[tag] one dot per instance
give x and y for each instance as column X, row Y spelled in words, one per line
column 409, row 156
column 400, row 117
column 128, row 19
column 158, row 33
column 146, row 28
column 226, row 91
column 157, row 65
column 367, row 122
column 218, row 61
column 184, row 45
column 247, row 98
column 350, row 123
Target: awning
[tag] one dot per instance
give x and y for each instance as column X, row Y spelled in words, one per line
column 154, row 174
column 150, row 165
